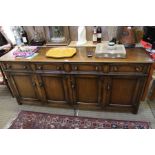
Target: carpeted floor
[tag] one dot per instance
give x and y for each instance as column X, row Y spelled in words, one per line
column 37, row 120
column 9, row 110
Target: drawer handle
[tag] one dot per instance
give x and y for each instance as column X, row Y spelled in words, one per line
column 115, row 68
column 40, row 67
column 75, row 68
column 96, row 68
column 137, row 69
column 25, row 67
column 58, row 67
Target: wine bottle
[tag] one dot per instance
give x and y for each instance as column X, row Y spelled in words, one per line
column 94, row 35
column 24, row 36
column 99, row 34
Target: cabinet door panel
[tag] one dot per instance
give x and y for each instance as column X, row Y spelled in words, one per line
column 55, row 88
column 87, row 90
column 24, row 86
column 124, row 91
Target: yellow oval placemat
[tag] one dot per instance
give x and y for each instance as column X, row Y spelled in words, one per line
column 61, row 52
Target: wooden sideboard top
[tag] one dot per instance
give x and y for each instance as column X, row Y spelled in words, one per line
column 134, row 55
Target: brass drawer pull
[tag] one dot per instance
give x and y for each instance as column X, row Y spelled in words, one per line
column 96, row 68
column 115, row 68
column 58, row 67
column 75, row 68
column 40, row 67
column 25, row 67
column 138, row 69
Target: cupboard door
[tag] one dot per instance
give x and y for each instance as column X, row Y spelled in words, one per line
column 124, row 91
column 24, row 86
column 55, row 89
column 87, row 91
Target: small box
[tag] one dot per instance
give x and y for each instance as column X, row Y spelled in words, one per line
column 103, row 50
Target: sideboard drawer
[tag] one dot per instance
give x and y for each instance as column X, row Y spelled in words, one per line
column 49, row 67
column 16, row 66
column 85, row 67
column 136, row 68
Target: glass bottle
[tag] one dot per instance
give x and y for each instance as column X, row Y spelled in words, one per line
column 94, row 35
column 99, row 34
column 24, row 36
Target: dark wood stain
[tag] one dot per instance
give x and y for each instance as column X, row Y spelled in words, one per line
column 80, row 82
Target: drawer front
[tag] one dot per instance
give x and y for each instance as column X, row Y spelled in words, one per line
column 17, row 66
column 49, row 67
column 136, row 68
column 85, row 67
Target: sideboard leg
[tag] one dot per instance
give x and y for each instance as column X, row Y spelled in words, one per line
column 76, row 112
column 19, row 101
column 135, row 111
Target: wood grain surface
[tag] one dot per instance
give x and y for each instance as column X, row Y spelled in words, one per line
column 134, row 55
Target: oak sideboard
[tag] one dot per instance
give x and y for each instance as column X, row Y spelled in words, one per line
column 79, row 82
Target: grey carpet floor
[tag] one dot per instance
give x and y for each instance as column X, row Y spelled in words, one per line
column 9, row 110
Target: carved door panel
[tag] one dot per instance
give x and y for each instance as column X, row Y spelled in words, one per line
column 24, row 86
column 55, row 89
column 87, row 91
column 124, row 91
